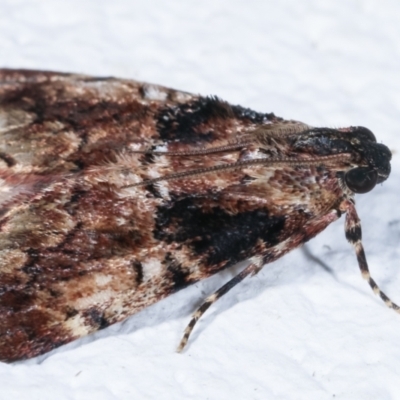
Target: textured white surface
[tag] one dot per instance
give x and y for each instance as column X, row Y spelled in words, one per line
column 295, row 331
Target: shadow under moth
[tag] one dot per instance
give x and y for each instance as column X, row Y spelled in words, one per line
column 115, row 194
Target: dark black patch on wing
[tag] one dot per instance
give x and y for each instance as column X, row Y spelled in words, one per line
column 153, row 191
column 9, row 160
column 95, row 318
column 70, row 312
column 51, row 101
column 178, row 275
column 138, row 268
column 148, row 158
column 180, row 122
column 217, row 235
column 255, row 117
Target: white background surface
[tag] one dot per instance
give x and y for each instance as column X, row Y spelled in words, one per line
column 308, row 326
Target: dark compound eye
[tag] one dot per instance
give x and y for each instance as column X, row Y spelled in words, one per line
column 361, row 180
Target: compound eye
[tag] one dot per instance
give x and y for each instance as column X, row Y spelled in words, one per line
column 361, row 179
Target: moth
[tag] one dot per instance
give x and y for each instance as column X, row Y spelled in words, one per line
column 115, row 194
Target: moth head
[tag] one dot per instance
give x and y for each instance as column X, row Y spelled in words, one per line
column 374, row 163
column 365, row 162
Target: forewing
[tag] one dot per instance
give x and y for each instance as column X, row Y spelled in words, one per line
column 84, row 243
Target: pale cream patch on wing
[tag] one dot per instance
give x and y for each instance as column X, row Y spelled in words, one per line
column 163, row 189
column 102, row 280
column 13, row 119
column 77, row 325
column 152, row 268
column 71, row 140
column 8, row 192
column 154, row 92
column 100, row 288
column 283, row 247
column 99, row 298
column 31, row 153
column 262, row 175
column 162, row 148
column 11, row 259
column 181, row 97
column 111, row 89
column 119, row 173
column 153, row 172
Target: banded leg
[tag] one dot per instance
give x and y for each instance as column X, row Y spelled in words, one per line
column 353, row 235
column 249, row 270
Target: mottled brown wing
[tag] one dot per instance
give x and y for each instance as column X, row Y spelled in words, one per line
column 83, row 244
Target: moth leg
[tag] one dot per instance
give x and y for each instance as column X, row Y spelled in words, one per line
column 249, row 270
column 353, row 235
